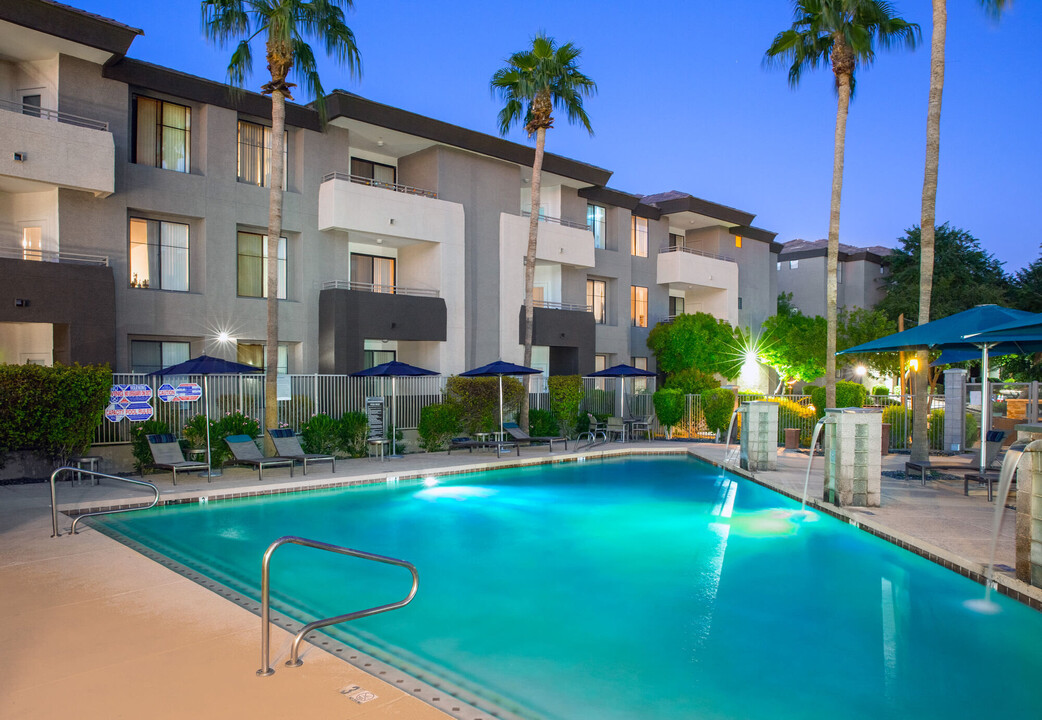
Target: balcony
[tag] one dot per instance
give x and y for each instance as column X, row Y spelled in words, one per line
column 56, row 149
column 17, row 253
column 560, row 241
column 687, row 267
column 374, row 288
column 356, row 204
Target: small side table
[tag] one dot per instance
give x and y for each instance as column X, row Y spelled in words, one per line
column 86, row 462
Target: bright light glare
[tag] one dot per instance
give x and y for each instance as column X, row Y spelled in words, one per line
column 223, row 337
column 750, row 370
column 861, row 369
column 430, row 481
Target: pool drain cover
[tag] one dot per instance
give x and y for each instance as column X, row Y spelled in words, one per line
column 360, row 696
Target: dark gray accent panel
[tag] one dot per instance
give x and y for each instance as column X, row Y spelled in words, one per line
column 756, row 233
column 82, row 297
column 70, row 23
column 347, row 317
column 689, row 203
column 570, row 334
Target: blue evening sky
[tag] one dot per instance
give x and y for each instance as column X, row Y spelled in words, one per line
column 684, row 103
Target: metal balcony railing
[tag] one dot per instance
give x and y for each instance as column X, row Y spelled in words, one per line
column 562, row 306
column 558, row 221
column 18, row 253
column 48, row 114
column 375, row 288
column 692, row 251
column 407, row 189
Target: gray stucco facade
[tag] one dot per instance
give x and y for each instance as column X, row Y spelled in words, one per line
column 802, row 272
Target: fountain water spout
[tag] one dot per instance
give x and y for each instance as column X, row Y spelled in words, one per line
column 810, row 461
column 727, row 440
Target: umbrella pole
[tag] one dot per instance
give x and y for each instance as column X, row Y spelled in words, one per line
column 500, row 408
column 985, row 407
column 206, row 407
column 394, row 422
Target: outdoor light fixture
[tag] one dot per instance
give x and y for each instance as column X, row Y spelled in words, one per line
column 861, row 370
column 913, row 364
column 223, row 337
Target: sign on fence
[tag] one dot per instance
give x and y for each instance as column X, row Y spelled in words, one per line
column 114, row 413
column 115, row 394
column 188, row 392
column 374, row 412
column 167, row 392
column 137, row 393
column 139, row 412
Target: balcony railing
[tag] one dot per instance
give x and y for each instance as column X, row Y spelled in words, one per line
column 562, row 306
column 558, row 221
column 47, row 114
column 374, row 288
column 408, row 190
column 692, row 251
column 18, row 253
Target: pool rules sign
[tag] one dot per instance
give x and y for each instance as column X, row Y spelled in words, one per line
column 133, row 402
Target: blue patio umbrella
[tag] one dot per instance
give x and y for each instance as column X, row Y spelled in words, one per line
column 206, row 365
column 499, row 368
column 393, row 369
column 621, row 372
column 1025, row 334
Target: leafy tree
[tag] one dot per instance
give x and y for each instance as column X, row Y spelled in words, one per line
column 793, row 343
column 476, row 401
column 862, row 325
column 964, row 275
column 1026, row 291
column 700, row 341
column 691, row 381
column 285, row 25
column 843, row 33
column 848, row 394
column 670, row 404
column 717, row 408
column 438, row 424
column 534, row 83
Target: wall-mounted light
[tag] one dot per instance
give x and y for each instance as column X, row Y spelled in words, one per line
column 21, row 302
column 21, row 156
column 379, row 142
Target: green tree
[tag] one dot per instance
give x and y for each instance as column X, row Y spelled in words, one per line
column 862, row 325
column 535, row 82
column 697, row 340
column 842, row 33
column 1026, row 291
column 285, row 26
column 793, row 343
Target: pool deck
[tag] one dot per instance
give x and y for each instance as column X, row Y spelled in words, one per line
column 92, row 629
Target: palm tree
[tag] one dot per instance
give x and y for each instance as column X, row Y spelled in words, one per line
column 285, row 24
column 920, row 406
column 843, row 32
column 533, row 84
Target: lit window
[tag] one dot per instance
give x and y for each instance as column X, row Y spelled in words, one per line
column 793, row 264
column 255, row 154
column 158, row 255
column 778, row 267
column 595, row 219
column 596, row 297
column 639, row 305
column 162, row 134
column 738, row 241
column 639, row 243
column 641, row 363
column 253, row 265
column 254, row 354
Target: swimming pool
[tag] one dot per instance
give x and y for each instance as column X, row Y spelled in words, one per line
column 640, row 587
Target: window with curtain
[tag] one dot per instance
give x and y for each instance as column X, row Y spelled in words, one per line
column 641, row 363
column 378, row 172
column 373, row 271
column 255, row 154
column 32, row 243
column 158, row 254
column 639, row 245
column 639, row 305
column 162, row 134
column 595, row 218
column 151, row 356
column 254, row 354
column 597, row 297
column 253, row 265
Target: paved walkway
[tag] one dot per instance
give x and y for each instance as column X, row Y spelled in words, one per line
column 91, row 629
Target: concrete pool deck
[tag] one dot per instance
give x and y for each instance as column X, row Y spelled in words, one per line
column 92, row 629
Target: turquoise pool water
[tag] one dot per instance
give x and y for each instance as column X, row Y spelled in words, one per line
column 633, row 588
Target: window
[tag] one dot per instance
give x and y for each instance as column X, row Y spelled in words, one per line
column 379, row 357
column 596, row 297
column 31, row 105
column 595, row 218
column 162, row 134
column 254, row 354
column 793, row 264
column 839, row 272
column 255, row 154
column 253, row 265
column 676, row 240
column 778, row 266
column 379, row 173
column 639, row 305
column 639, row 245
column 739, row 302
column 32, row 243
column 738, row 241
column 600, row 362
column 641, row 363
column 676, row 306
column 151, row 356
column 158, row 255
column 372, row 273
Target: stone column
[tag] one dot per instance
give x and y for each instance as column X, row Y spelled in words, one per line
column 954, row 410
column 759, row 446
column 852, row 460
column 1029, row 515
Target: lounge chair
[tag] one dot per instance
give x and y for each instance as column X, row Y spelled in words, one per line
column 992, row 445
column 246, row 453
column 287, row 445
column 520, row 436
column 167, row 455
column 465, row 443
column 990, row 475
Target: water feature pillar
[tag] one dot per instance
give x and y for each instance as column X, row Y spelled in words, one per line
column 759, row 435
column 1028, row 540
column 954, row 410
column 852, row 460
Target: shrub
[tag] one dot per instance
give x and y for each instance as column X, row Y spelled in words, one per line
column 320, row 434
column 237, row 423
column 793, row 415
column 566, row 395
column 439, row 423
column 880, row 390
column 935, row 429
column 541, row 423
column 395, row 434
column 692, row 381
column 195, row 434
column 717, row 407
column 139, row 443
column 900, row 420
column 848, row 394
column 476, row 401
column 353, row 433
column 670, row 404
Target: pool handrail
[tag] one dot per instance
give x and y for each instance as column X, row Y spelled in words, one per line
column 94, row 473
column 294, row 659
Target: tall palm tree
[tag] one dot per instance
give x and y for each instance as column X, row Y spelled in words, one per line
column 843, row 33
column 285, row 25
column 533, row 84
column 920, row 406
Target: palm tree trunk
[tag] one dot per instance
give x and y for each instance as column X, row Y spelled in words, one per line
column 533, row 238
column 920, row 400
column 271, row 364
column 843, row 105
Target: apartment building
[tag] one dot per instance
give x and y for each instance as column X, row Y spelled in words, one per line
column 802, row 271
column 134, row 205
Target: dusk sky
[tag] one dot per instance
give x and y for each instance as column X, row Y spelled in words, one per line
column 685, row 103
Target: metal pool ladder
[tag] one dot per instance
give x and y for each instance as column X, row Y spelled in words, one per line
column 92, row 473
column 294, row 659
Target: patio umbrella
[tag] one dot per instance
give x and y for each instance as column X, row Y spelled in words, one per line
column 621, row 372
column 393, row 369
column 206, row 365
column 499, row 368
column 967, row 330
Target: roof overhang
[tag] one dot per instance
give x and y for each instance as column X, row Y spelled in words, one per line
column 38, row 29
